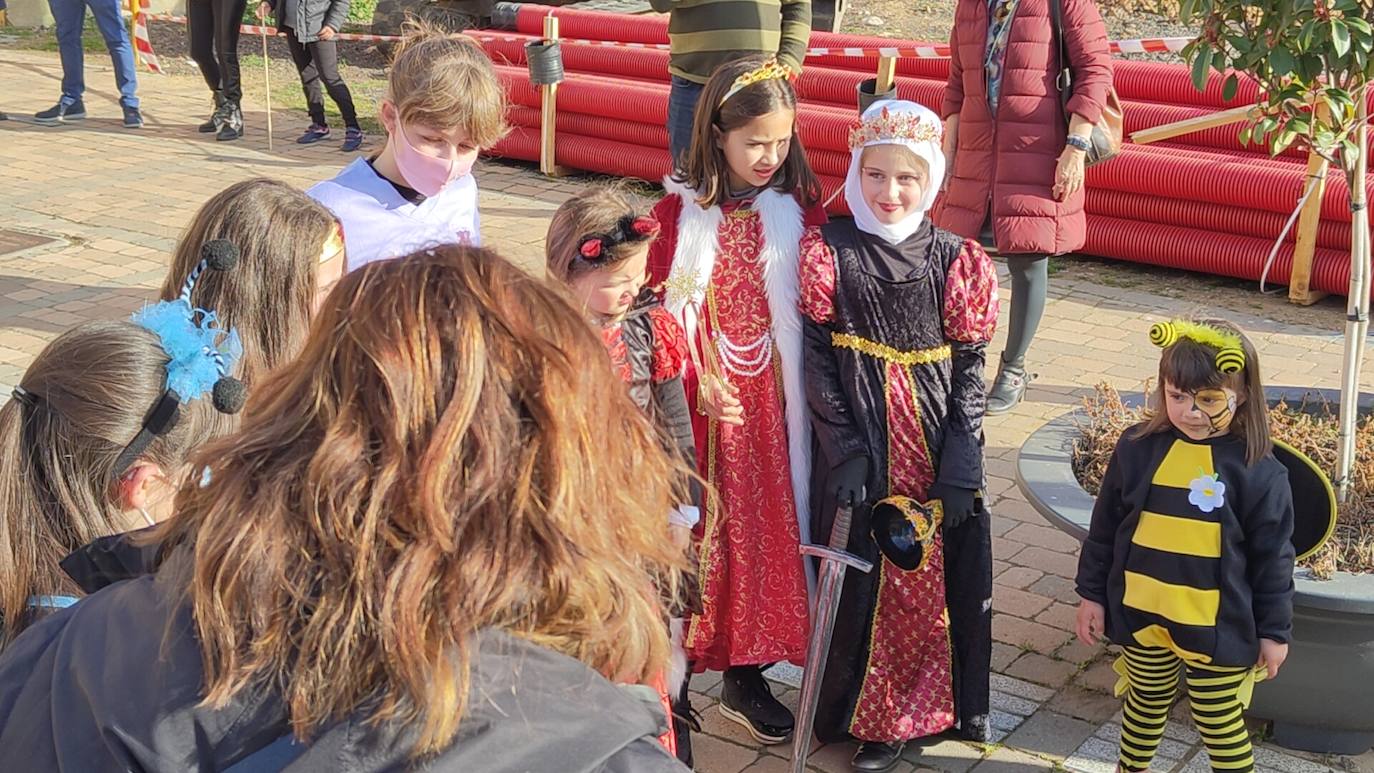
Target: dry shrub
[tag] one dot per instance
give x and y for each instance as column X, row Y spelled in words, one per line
column 1312, row 428
column 1167, row 8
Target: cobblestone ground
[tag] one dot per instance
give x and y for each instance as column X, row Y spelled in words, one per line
column 88, row 214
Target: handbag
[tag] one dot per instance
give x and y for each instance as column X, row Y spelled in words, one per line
column 1107, row 132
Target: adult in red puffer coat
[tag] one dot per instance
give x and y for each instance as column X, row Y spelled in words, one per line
column 1016, row 171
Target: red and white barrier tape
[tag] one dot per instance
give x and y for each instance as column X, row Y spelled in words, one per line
column 935, row 51
column 142, row 43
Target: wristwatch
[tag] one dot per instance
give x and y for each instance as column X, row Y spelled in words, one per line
column 1075, row 141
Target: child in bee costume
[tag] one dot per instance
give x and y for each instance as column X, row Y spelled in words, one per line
column 1188, row 564
column 896, row 315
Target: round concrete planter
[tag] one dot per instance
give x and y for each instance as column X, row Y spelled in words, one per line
column 1323, row 700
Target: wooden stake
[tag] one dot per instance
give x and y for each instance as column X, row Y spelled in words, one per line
column 1189, row 125
column 1309, row 221
column 887, row 74
column 548, row 115
column 267, row 84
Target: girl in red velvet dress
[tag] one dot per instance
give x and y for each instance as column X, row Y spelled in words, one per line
column 727, row 258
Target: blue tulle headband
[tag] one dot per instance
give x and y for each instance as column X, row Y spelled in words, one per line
column 201, row 355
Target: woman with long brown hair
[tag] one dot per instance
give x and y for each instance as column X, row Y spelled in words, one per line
column 437, row 536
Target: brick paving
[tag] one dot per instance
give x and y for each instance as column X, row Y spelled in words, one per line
column 113, row 202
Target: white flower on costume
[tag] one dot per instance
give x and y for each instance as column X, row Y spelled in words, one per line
column 1206, row 493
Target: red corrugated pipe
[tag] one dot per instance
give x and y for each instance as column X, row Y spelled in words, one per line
column 1214, row 253
column 1232, row 182
column 1204, row 216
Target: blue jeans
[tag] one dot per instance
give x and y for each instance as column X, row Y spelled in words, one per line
column 682, row 104
column 69, row 17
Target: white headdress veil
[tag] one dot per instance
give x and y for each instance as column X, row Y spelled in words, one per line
column 895, row 122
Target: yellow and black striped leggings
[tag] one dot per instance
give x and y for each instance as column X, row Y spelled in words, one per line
column 1214, row 693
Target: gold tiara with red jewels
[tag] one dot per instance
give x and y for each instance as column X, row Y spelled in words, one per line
column 769, row 70
column 899, row 127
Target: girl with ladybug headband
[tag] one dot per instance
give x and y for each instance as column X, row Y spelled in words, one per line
column 598, row 245
column 1188, row 564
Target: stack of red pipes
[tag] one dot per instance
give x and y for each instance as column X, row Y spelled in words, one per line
column 1203, row 201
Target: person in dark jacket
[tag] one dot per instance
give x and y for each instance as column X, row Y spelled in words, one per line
column 311, row 27
column 1015, row 159
column 1188, row 564
column 455, row 547
column 94, row 441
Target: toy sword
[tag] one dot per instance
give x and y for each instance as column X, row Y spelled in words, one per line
column 834, row 559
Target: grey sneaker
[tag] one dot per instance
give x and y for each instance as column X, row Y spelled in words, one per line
column 133, row 119
column 61, row 112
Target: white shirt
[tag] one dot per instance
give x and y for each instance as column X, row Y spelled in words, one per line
column 379, row 223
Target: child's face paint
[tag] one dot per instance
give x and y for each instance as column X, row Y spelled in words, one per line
column 611, row 292
column 892, row 185
column 756, row 151
column 1203, row 414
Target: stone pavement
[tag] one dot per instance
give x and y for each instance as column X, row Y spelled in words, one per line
column 88, row 214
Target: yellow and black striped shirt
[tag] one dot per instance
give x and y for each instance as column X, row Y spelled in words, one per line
column 704, row 34
column 1190, row 548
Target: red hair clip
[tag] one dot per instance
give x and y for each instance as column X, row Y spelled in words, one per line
column 591, row 248
column 645, row 226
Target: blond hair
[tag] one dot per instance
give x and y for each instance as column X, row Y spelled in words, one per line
column 596, row 210
column 903, row 152
column 446, row 81
column 439, row 460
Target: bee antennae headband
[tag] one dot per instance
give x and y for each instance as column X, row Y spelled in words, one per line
column 1230, row 357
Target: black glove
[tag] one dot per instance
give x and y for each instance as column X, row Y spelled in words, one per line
column 849, row 482
column 958, row 503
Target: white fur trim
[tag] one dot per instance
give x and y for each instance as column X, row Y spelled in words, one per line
column 783, row 227
column 694, row 258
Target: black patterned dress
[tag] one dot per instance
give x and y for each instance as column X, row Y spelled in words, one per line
column 895, row 338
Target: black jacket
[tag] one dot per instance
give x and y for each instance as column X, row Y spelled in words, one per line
column 114, row 683
column 1216, row 580
column 310, row 16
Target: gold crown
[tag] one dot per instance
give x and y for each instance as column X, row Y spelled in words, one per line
column 902, row 127
column 769, row 70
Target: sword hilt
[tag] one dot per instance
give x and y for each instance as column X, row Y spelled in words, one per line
column 830, row 554
column 839, row 531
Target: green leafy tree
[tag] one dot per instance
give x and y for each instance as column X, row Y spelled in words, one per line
column 1312, row 62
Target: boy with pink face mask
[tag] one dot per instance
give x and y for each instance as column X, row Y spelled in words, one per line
column 443, row 105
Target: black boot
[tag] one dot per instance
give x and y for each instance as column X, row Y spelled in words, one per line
column 232, row 127
column 216, row 118
column 875, row 757
column 1009, row 387
column 746, row 698
column 685, row 722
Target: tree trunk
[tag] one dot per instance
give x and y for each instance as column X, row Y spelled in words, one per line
column 1357, row 303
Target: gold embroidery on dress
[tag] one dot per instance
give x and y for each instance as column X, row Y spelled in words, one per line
column 887, row 353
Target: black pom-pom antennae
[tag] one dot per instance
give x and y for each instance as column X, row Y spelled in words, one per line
column 229, row 395
column 220, row 254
